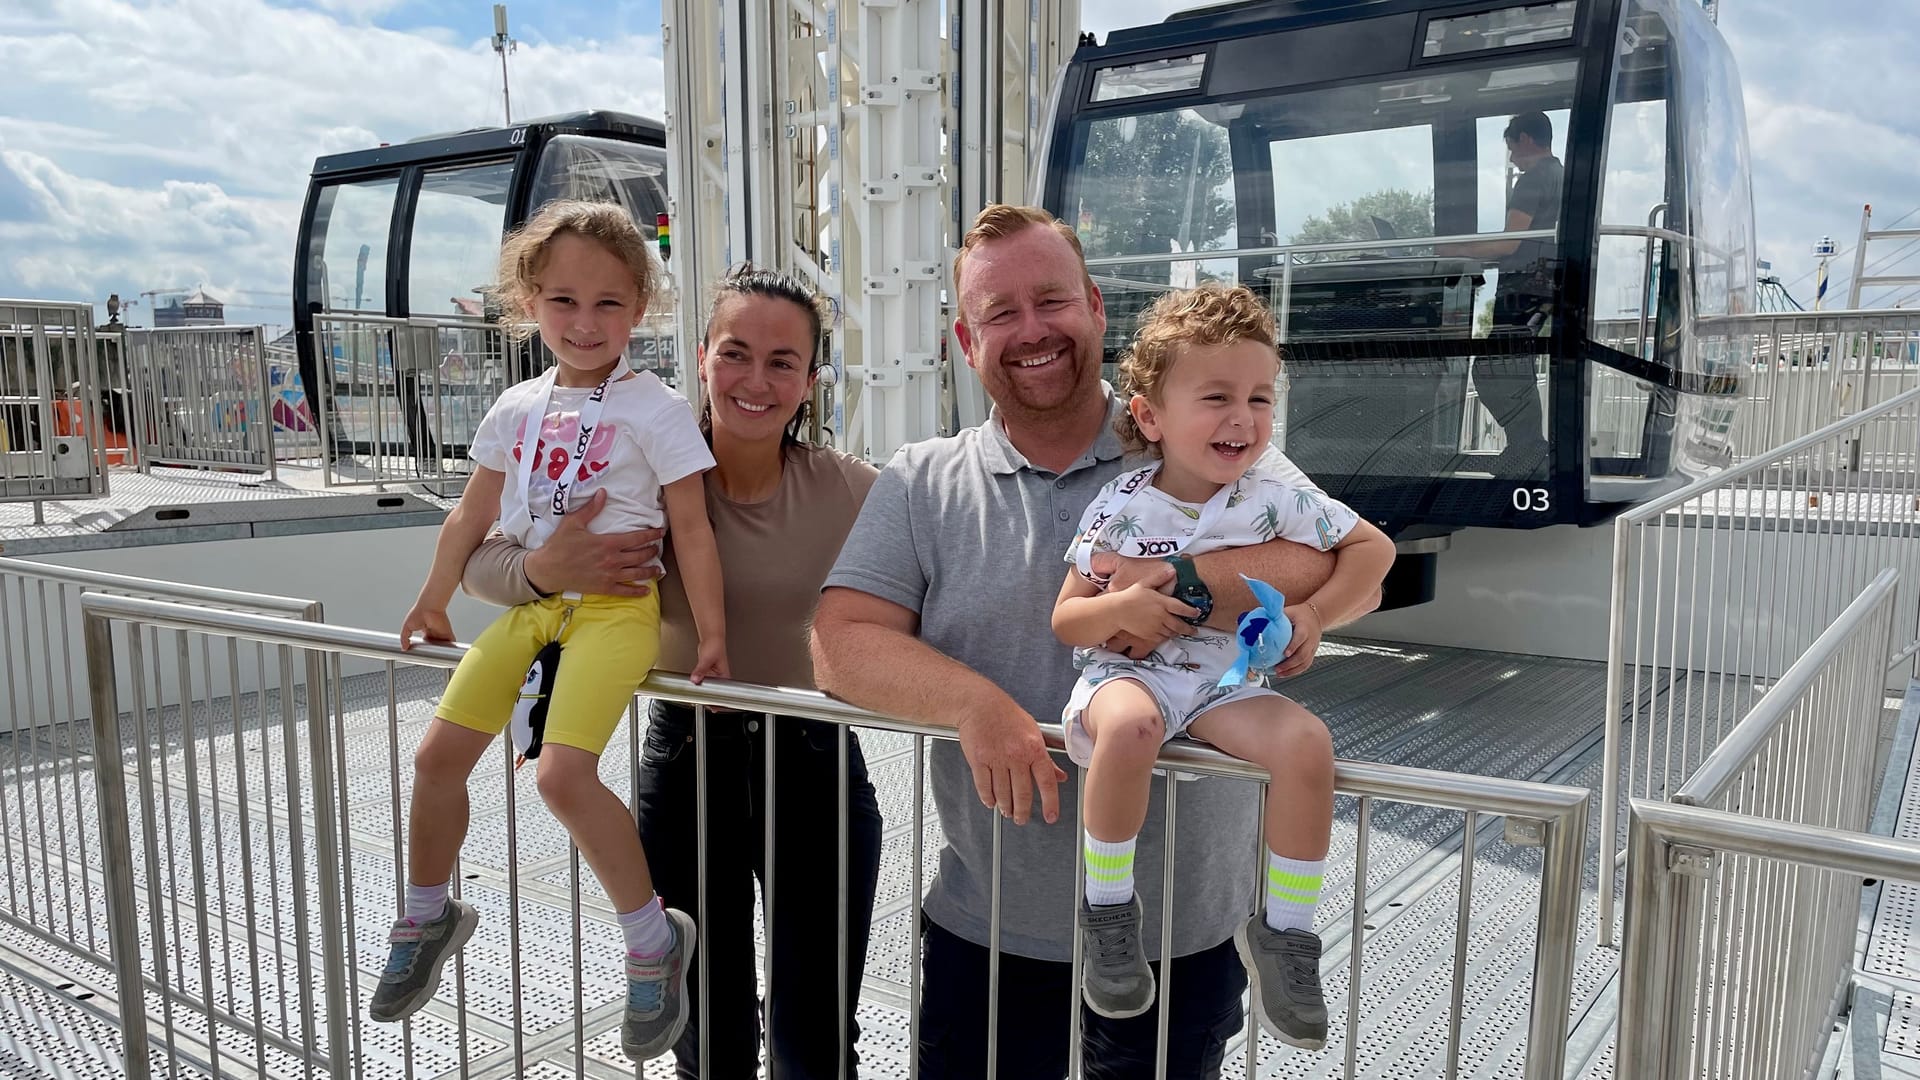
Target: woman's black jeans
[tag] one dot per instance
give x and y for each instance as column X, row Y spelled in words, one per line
column 806, row 943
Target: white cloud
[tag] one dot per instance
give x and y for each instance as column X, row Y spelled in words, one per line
column 169, row 143
column 153, row 143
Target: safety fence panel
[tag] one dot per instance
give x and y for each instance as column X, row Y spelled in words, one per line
column 51, row 424
column 203, row 399
column 1738, row 961
column 51, row 884
column 1718, row 587
column 254, row 919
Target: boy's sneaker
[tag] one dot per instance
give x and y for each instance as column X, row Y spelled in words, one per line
column 1114, row 977
column 657, row 993
column 1283, row 968
column 420, row 950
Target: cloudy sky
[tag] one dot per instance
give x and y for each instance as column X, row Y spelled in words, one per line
column 153, row 144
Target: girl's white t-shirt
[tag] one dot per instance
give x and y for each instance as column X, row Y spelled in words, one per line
column 647, row 438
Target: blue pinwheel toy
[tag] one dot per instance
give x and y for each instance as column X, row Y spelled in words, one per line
column 1262, row 635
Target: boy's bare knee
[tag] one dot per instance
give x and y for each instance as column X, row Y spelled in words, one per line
column 1134, row 737
column 1303, row 740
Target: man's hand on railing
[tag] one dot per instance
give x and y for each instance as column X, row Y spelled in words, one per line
column 575, row 559
column 1009, row 758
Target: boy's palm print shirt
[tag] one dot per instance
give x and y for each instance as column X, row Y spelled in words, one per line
column 1260, row 507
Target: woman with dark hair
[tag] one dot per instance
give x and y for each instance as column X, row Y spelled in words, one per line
column 780, row 509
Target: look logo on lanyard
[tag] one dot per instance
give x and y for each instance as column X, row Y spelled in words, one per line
column 536, row 420
column 1146, row 547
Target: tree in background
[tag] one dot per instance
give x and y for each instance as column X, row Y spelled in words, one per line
column 1410, row 213
column 1149, row 182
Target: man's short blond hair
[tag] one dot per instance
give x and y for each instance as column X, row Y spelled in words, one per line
column 1000, row 220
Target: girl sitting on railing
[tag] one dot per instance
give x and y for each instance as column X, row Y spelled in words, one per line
column 1201, row 374
column 590, row 425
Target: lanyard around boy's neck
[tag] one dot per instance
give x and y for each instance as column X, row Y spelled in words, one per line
column 1146, row 547
column 536, row 420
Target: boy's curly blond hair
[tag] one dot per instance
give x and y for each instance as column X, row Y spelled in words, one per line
column 525, row 252
column 1210, row 314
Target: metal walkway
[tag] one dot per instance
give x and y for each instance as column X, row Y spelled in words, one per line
column 1454, row 709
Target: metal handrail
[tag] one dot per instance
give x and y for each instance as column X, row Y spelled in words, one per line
column 147, row 587
column 1554, row 817
column 1659, row 922
column 1737, row 749
column 1841, row 850
column 1318, row 249
column 1395, row 783
column 1655, row 507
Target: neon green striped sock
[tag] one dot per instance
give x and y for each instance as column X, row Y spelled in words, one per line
column 1109, row 871
column 1293, row 891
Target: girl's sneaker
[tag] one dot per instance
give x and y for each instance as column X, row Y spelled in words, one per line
column 657, row 993
column 420, row 950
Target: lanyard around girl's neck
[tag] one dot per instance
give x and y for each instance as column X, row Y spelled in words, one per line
column 536, row 420
column 1146, row 547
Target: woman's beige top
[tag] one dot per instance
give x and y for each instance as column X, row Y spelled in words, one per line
column 774, row 554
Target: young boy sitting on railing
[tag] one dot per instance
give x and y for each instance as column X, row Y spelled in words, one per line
column 1201, row 374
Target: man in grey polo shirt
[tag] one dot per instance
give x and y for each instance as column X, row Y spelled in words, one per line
column 939, row 610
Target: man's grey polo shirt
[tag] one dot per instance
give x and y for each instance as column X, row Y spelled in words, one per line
column 964, row 532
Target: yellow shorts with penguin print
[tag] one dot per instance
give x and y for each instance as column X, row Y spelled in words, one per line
column 608, row 645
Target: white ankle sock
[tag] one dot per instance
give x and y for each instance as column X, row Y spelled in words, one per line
column 1109, row 870
column 647, row 930
column 426, row 903
column 1293, row 891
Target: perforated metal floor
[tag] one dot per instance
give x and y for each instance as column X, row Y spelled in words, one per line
column 1442, row 708
column 1881, row 1038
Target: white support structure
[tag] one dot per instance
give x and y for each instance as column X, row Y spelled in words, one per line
column 694, row 50
column 898, row 201
column 810, row 137
column 1007, row 57
column 1860, row 278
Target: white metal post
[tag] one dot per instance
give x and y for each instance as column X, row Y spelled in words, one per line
column 807, row 136
column 696, row 169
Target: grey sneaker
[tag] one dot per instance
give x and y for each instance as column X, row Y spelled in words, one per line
column 1114, row 977
column 657, row 994
column 1283, row 968
column 420, row 950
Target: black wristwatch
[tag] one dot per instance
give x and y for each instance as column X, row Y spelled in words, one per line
column 1190, row 590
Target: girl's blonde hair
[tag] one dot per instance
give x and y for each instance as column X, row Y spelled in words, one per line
column 1211, row 314
column 524, row 254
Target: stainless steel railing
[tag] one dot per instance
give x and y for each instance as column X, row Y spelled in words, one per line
column 339, row 803
column 401, row 399
column 1680, row 852
column 48, row 806
column 51, row 430
column 1719, row 586
column 1737, row 961
column 202, row 397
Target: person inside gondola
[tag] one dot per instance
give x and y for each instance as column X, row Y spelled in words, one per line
column 1523, row 292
